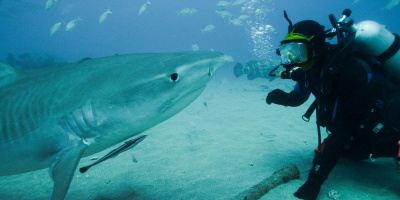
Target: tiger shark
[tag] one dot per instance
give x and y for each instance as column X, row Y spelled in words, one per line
column 52, row 117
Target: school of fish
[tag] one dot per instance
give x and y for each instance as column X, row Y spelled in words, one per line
column 222, row 9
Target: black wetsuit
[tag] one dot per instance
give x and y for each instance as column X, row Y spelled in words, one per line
column 343, row 107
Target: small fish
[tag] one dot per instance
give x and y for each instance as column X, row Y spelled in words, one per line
column 187, row 11
column 391, row 4
column 72, row 24
column 243, row 17
column 144, row 8
column 224, row 13
column 238, row 2
column 50, row 3
column 195, row 47
column 103, row 16
column 223, row 4
column 236, row 22
column 55, row 28
column 208, row 28
column 126, row 146
column 264, row 11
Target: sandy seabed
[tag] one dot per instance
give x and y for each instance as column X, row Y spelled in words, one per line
column 223, row 143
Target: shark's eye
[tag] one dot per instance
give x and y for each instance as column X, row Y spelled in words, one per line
column 174, row 77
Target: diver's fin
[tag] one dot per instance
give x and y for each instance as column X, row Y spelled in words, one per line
column 63, row 168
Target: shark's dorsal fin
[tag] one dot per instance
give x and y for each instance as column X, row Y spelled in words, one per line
column 7, row 73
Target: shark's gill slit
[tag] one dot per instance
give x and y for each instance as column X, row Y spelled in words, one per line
column 88, row 116
column 82, row 121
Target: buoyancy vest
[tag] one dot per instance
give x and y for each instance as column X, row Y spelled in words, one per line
column 379, row 120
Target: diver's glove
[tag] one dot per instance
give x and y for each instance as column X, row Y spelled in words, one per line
column 310, row 189
column 277, row 96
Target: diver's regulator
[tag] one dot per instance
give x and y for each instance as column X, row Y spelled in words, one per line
column 295, row 73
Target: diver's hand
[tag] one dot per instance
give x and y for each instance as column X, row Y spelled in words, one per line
column 276, row 96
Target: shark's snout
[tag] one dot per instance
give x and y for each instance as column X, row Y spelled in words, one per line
column 217, row 64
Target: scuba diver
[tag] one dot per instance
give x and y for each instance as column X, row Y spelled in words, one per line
column 254, row 69
column 357, row 100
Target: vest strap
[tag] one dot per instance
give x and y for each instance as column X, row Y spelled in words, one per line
column 393, row 49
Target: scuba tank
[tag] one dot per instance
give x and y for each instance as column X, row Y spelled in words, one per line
column 374, row 39
column 368, row 38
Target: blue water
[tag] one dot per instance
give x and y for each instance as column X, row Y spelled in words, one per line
column 25, row 26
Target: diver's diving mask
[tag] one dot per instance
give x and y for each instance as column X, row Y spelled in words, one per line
column 293, row 53
column 296, row 54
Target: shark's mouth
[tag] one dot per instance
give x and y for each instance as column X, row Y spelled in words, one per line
column 181, row 101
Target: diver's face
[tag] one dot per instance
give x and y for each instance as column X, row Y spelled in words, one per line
column 293, row 53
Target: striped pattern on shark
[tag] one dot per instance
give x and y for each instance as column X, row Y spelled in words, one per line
column 52, row 117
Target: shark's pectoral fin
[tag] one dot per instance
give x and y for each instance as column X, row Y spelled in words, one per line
column 63, row 168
